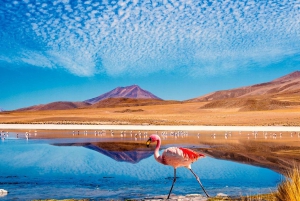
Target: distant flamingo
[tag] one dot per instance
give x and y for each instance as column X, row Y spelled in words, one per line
column 175, row 157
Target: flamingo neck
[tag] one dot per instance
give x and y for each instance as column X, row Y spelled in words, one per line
column 156, row 151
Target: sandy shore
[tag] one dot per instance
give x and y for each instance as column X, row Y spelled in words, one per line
column 147, row 127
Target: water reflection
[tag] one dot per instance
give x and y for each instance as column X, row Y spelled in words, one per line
column 122, row 152
column 90, row 168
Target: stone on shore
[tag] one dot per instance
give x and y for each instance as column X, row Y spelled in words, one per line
column 222, row 195
column 188, row 197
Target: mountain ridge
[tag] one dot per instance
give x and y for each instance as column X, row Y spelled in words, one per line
column 261, row 96
column 132, row 91
column 286, row 84
column 119, row 97
column 57, row 105
column 288, row 77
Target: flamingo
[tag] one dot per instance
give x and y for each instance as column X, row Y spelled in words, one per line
column 176, row 157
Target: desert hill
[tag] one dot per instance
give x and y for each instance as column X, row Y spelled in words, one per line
column 59, row 105
column 289, row 84
column 288, row 77
column 106, row 103
column 133, row 92
column 118, row 97
column 258, row 103
column 280, row 93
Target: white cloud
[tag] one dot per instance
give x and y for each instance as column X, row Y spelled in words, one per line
column 143, row 37
column 81, row 64
column 35, row 59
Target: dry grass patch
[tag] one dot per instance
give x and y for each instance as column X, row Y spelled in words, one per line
column 289, row 190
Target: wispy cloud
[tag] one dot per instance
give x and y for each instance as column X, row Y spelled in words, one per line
column 140, row 36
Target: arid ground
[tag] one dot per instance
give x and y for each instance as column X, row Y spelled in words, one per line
column 186, row 113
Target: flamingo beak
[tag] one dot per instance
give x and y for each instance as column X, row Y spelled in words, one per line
column 148, row 142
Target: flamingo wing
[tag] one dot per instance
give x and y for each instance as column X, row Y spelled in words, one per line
column 178, row 157
column 191, row 154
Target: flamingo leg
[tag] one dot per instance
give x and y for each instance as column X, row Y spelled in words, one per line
column 174, row 180
column 199, row 182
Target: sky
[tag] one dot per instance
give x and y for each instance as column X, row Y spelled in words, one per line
column 73, row 50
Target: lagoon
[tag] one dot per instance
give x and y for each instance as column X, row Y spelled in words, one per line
column 76, row 168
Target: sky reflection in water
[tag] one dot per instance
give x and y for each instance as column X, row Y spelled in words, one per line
column 35, row 169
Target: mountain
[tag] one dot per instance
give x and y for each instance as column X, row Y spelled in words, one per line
column 288, row 77
column 288, row 84
column 277, row 94
column 133, row 91
column 118, row 97
column 1, row 110
column 60, row 105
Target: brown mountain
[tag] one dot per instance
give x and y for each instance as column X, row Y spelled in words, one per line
column 106, row 103
column 288, row 84
column 60, row 105
column 279, row 93
column 118, row 97
column 133, row 91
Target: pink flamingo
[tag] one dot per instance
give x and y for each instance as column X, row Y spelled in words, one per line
column 176, row 157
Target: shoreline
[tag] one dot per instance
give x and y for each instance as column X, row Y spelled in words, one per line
column 148, row 127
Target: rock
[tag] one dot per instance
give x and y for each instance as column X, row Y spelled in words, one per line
column 194, row 195
column 188, row 197
column 3, row 192
column 222, row 195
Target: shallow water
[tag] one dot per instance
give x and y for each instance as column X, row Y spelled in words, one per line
column 37, row 169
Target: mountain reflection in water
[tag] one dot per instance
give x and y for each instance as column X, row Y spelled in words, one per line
column 278, row 156
column 119, row 151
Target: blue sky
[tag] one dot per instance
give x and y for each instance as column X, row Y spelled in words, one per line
column 73, row 50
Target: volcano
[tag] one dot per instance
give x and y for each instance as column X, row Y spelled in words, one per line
column 133, row 91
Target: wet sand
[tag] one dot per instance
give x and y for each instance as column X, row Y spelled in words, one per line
column 147, row 127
